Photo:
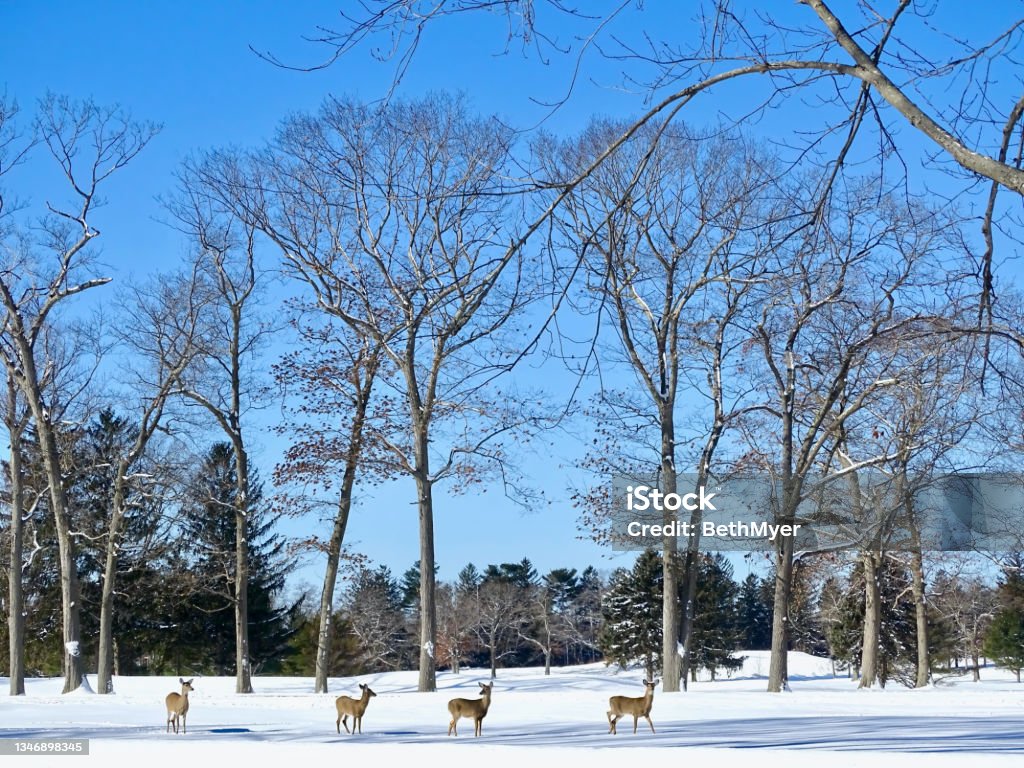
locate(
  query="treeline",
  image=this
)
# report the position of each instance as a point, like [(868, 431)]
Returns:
[(969, 619), (750, 317), (176, 607), (505, 615)]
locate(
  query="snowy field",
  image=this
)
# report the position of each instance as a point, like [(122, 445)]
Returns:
[(539, 721)]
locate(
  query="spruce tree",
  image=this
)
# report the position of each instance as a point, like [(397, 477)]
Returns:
[(715, 632), (631, 609), (1004, 641), (753, 615), (206, 623)]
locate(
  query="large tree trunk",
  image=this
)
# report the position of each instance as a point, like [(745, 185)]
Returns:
[(778, 672), (670, 621), (105, 651), (921, 616), (69, 589), (323, 641), (428, 607), (920, 598), (243, 672), (16, 600), (355, 443), (871, 562)]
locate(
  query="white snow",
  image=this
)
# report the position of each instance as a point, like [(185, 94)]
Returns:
[(541, 721), (71, 646)]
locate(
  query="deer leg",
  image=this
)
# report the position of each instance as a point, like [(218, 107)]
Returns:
[(184, 728), (451, 728), (636, 719), (650, 723), (344, 721)]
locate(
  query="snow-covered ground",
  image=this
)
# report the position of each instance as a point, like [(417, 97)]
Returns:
[(540, 721)]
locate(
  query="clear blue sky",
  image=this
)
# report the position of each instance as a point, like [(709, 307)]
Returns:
[(188, 66)]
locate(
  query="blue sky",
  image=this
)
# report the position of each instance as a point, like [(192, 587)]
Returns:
[(189, 67)]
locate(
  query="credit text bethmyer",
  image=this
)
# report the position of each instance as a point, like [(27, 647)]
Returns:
[(734, 530)]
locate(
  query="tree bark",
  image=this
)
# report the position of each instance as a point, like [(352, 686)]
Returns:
[(323, 642), (870, 562), (355, 444), (105, 651), (920, 611), (670, 624), (778, 672), (424, 489), (16, 600), (243, 672)]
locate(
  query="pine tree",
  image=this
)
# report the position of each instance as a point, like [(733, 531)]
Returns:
[(715, 632), (753, 615), (206, 625), (1004, 642), (631, 609), (897, 652)]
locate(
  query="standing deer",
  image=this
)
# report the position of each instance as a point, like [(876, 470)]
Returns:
[(472, 708), (356, 707), (177, 705), (627, 705)]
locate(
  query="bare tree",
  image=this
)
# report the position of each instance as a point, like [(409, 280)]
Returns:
[(500, 609), (396, 221), (219, 379), (667, 230), (827, 330), (88, 144), (334, 372), (161, 330), (16, 419)]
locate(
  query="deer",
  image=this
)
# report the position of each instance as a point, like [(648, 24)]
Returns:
[(356, 707), (619, 706), (471, 708), (177, 705)]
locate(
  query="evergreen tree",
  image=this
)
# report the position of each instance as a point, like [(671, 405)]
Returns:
[(897, 652), (715, 632), (1004, 642), (372, 606), (143, 549), (754, 615), (631, 609), (206, 625)]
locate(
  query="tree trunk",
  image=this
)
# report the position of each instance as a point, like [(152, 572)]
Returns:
[(69, 589), (920, 598), (494, 663), (670, 618), (16, 600), (870, 561), (105, 651), (428, 606), (243, 672), (778, 672), (547, 661), (921, 616)]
